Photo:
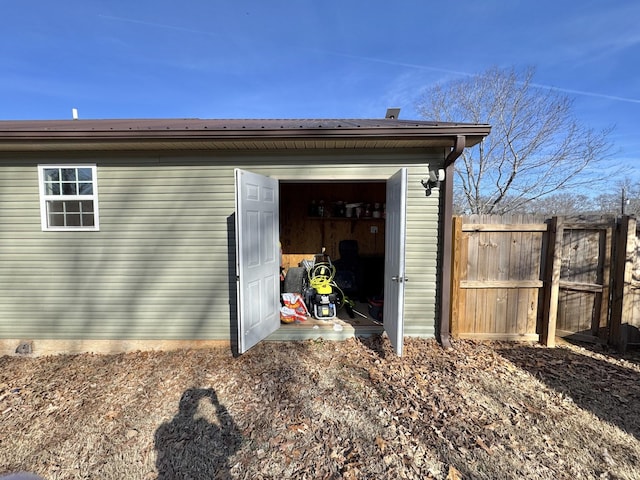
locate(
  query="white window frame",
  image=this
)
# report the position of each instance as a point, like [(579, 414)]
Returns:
[(45, 198)]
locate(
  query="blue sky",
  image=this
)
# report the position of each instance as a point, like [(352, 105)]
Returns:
[(310, 58)]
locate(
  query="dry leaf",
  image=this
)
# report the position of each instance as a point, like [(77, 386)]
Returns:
[(607, 458), (454, 474), (483, 445), (347, 410), (298, 427)]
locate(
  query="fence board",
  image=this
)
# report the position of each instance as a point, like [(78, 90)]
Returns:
[(458, 263), (515, 297), (531, 307)]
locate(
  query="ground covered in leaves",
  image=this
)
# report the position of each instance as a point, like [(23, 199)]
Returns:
[(325, 410)]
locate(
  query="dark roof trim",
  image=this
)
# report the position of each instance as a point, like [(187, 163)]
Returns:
[(14, 134)]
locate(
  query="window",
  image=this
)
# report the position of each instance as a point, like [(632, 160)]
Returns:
[(68, 197)]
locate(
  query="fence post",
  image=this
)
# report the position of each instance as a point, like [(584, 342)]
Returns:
[(553, 263), (621, 296), (456, 311)]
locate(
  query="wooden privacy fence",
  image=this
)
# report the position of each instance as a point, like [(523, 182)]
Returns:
[(497, 277), (528, 278)]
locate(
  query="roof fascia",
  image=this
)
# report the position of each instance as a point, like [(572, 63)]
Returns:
[(15, 137)]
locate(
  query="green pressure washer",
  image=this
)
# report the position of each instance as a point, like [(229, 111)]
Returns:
[(315, 280), (322, 296)]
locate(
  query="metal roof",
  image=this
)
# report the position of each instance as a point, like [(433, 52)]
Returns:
[(231, 134)]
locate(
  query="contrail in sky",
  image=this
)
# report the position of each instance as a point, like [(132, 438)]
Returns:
[(158, 25), (379, 60), (468, 74), (588, 94)]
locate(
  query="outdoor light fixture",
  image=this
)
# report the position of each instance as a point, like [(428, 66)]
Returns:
[(435, 177)]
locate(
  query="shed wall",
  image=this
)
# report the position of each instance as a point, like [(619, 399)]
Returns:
[(160, 267)]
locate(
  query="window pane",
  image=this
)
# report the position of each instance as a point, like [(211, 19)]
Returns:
[(73, 220), (54, 207), (86, 188), (84, 174), (56, 220), (87, 206), (52, 188), (87, 220), (52, 174), (72, 207), (69, 189), (69, 175)]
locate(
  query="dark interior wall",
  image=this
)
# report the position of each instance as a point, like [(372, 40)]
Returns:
[(304, 233)]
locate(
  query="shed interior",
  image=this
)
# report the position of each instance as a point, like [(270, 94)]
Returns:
[(321, 214)]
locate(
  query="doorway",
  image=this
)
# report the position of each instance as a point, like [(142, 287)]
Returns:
[(347, 220), (269, 211)]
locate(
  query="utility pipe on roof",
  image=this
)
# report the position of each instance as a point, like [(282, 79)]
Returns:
[(446, 190)]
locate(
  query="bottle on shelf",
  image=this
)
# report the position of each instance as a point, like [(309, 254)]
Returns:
[(376, 213), (321, 208)]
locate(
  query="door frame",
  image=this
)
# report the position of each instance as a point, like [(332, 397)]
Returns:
[(399, 323)]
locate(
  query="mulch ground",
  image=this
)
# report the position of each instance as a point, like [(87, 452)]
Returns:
[(325, 410)]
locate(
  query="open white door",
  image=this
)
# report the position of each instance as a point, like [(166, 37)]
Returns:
[(394, 251), (257, 257)]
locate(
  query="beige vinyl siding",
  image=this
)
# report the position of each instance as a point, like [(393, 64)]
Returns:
[(161, 266)]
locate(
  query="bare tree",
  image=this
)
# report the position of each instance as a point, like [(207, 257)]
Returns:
[(536, 146), (623, 198), (567, 203)]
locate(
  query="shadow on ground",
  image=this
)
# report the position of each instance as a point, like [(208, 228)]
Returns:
[(608, 389), (199, 440)]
